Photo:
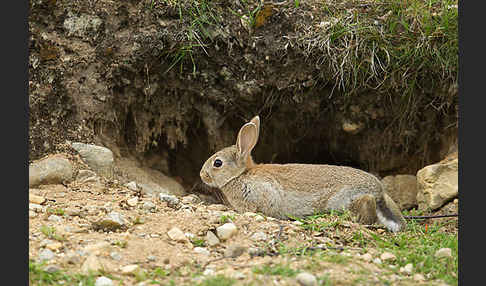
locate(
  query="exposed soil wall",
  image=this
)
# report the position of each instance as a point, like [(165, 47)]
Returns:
[(133, 76)]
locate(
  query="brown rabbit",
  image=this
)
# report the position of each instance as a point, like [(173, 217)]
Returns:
[(296, 190)]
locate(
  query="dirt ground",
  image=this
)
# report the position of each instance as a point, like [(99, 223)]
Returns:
[(72, 211)]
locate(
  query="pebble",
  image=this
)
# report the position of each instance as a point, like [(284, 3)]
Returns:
[(176, 234), (259, 236), (46, 254), (306, 279), (36, 199), (456, 201), (52, 268), (226, 231), (171, 201), (377, 261), (367, 257), (54, 218), (407, 269), (92, 263), (387, 256), (35, 207), (211, 238), (190, 199), (208, 271), (132, 186), (201, 250), (443, 252), (103, 281), (148, 205), (418, 277), (86, 176), (115, 256), (51, 170), (132, 202), (112, 221), (151, 258), (296, 222), (98, 158), (129, 269), (32, 214), (54, 246), (234, 251)]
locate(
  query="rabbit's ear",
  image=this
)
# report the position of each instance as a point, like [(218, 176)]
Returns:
[(256, 121), (247, 139)]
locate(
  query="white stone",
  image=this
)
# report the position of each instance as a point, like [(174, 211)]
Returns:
[(226, 231), (201, 250), (418, 277), (387, 256), (54, 218), (377, 261), (132, 202), (129, 269), (212, 239), (36, 199), (443, 252), (176, 234), (46, 254), (103, 281), (259, 236), (306, 279), (407, 269), (132, 186)]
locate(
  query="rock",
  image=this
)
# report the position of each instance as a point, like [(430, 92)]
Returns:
[(81, 25), (52, 268), (176, 234), (152, 258), (201, 250), (149, 206), (212, 239), (92, 263), (234, 251), (54, 246), (387, 256), (150, 181), (255, 251), (208, 272), (351, 127), (103, 281), (72, 258), (190, 199), (54, 218), (377, 261), (115, 256), (437, 184), (111, 222), (226, 231), (132, 202), (99, 159), (259, 236), (402, 189), (45, 255), (367, 257), (35, 199), (418, 277), (87, 176), (51, 170), (171, 201), (443, 252), (130, 269), (32, 214), (306, 279), (35, 207), (296, 222), (407, 269), (132, 186)]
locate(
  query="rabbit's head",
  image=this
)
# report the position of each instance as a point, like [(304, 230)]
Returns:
[(232, 161)]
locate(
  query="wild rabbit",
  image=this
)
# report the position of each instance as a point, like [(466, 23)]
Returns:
[(296, 190)]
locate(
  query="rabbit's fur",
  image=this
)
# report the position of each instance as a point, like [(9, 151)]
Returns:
[(296, 190)]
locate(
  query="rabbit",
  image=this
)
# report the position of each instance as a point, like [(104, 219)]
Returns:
[(287, 191)]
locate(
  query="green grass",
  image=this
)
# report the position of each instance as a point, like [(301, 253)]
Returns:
[(58, 211), (278, 269), (200, 242), (227, 218), (50, 232), (218, 280), (416, 245), (38, 276)]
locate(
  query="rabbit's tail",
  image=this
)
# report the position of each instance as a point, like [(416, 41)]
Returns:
[(389, 214)]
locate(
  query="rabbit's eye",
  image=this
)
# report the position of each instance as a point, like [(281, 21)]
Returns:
[(218, 163)]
